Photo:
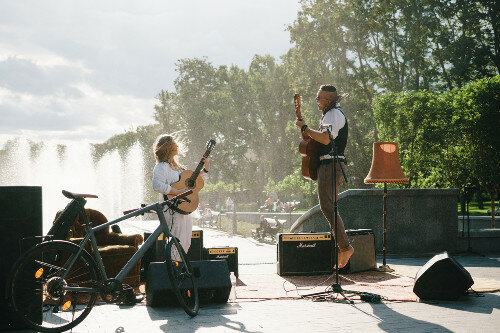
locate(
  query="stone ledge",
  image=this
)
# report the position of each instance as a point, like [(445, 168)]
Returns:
[(481, 233), (418, 220), (398, 192)]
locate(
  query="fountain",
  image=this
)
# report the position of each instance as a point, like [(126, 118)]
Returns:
[(117, 180)]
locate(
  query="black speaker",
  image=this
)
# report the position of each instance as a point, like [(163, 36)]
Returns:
[(157, 252), (195, 251), (363, 258), (212, 277), (305, 254), (442, 278), (21, 228), (147, 258), (230, 254), (61, 226)]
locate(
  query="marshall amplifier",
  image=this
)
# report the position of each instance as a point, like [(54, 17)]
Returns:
[(305, 254), (157, 253), (363, 258), (196, 249), (194, 253), (229, 254)]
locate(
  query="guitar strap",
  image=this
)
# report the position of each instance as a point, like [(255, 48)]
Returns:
[(331, 105)]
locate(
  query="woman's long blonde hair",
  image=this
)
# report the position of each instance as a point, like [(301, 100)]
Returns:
[(165, 149)]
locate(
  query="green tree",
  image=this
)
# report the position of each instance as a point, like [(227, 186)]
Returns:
[(477, 121), (409, 118)]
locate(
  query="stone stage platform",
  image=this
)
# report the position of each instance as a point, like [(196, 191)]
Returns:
[(249, 311)]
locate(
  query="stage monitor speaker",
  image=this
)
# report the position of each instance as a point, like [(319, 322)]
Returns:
[(230, 254), (305, 254), (21, 228), (442, 278), (363, 258), (212, 277)]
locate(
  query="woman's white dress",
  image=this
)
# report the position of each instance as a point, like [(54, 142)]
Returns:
[(163, 177)]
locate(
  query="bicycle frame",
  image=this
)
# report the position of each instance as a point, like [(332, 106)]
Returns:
[(162, 228)]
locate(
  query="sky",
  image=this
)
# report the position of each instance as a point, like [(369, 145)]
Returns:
[(87, 70)]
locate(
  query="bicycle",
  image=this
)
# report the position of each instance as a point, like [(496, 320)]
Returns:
[(66, 279)]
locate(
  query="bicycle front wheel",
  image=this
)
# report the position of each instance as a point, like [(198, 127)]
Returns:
[(47, 293), (182, 278)]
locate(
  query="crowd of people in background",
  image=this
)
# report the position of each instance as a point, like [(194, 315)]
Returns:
[(271, 205)]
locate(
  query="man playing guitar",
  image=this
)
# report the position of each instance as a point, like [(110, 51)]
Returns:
[(333, 125)]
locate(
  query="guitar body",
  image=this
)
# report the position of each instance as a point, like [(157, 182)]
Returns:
[(188, 207), (309, 149), (191, 180)]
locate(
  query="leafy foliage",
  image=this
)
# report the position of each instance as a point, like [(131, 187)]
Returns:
[(406, 64), (449, 139)]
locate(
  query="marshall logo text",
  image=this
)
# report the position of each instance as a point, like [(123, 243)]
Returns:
[(305, 245)]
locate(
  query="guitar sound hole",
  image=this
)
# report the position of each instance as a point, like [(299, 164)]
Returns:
[(190, 183)]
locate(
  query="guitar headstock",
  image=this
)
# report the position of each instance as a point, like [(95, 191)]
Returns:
[(296, 99), (210, 147)]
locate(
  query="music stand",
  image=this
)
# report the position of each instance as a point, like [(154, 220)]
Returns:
[(385, 169)]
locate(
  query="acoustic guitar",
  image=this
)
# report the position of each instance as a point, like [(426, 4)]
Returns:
[(308, 149), (192, 181)]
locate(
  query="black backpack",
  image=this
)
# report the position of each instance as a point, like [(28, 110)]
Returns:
[(64, 222)]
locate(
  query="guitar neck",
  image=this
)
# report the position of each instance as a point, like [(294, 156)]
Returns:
[(296, 99), (197, 171), (192, 180)]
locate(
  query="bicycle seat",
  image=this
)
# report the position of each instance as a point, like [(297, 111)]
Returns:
[(71, 195)]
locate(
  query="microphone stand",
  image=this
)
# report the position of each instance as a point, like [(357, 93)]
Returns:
[(335, 287)]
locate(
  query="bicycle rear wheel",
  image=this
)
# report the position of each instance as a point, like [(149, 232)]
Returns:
[(182, 278), (41, 298)]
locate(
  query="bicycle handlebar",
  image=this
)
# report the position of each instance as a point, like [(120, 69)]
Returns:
[(166, 202), (182, 195)]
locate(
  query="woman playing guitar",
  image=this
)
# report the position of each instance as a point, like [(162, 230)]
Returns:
[(166, 172)]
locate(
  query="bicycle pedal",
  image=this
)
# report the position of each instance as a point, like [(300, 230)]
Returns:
[(127, 297)]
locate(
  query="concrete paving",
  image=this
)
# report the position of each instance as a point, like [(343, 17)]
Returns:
[(470, 314)]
